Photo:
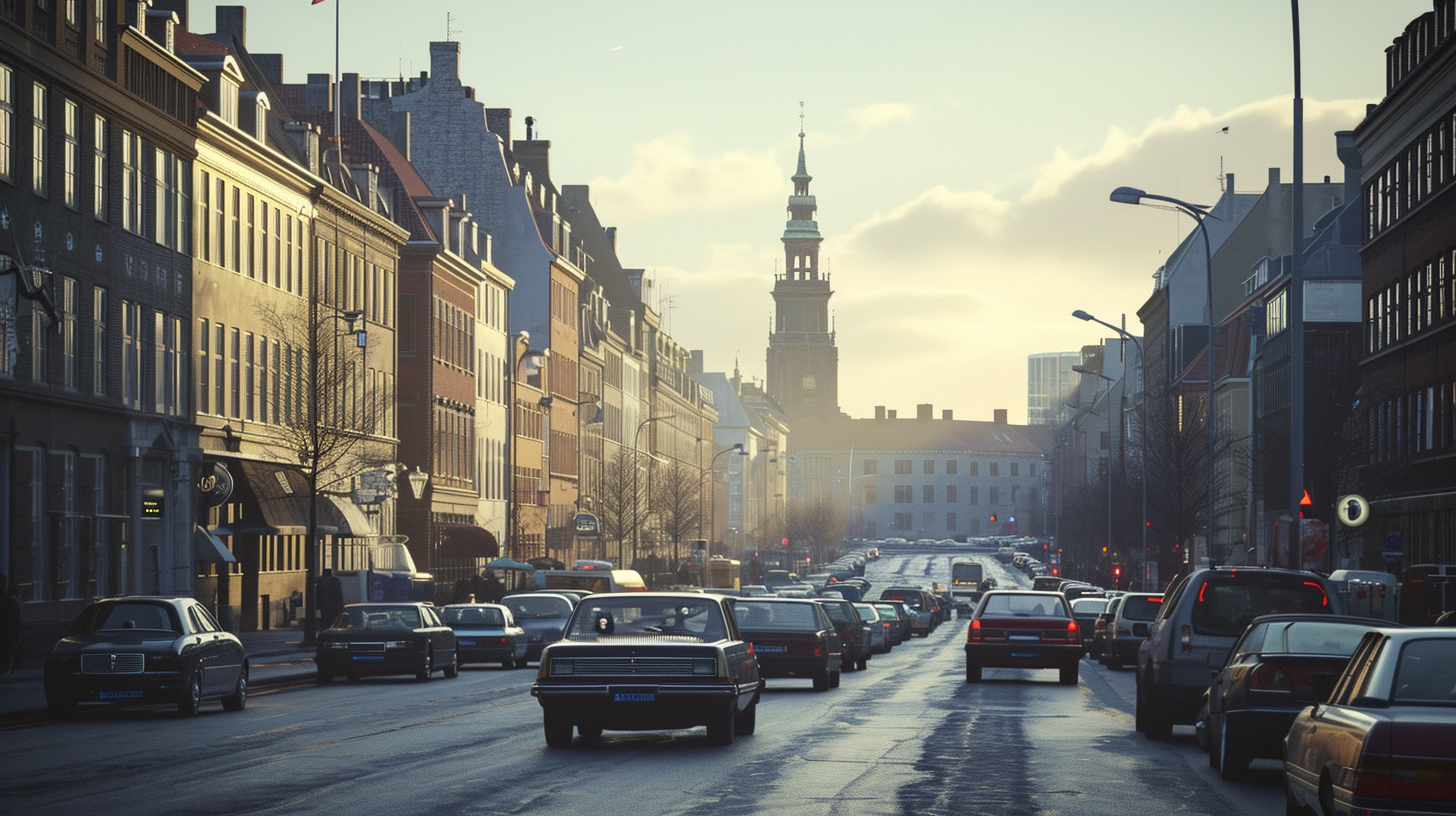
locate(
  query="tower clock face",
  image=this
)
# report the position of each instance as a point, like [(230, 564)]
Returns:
[(808, 382)]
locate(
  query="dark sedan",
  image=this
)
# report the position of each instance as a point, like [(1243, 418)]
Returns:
[(486, 633), (138, 649), (386, 638), (1385, 742), (1023, 630), (793, 638), (635, 661), (543, 615), (853, 631), (1253, 698)]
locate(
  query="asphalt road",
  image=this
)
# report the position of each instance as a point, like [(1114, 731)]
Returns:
[(907, 736)]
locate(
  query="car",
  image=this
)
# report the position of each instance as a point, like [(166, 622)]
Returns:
[(1385, 741), (1097, 645), (793, 638), (486, 633), (139, 649), (795, 590), (649, 661), (849, 592), (1086, 611), (1252, 700), (775, 578), (1128, 627), (921, 605), (755, 591), (543, 615), (879, 627), (853, 631), (1023, 629), (1075, 591), (372, 639), (1198, 622), (901, 616)]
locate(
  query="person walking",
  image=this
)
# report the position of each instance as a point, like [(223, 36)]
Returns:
[(9, 628), (330, 597)]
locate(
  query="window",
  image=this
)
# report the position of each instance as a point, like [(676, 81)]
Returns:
[(172, 183), (219, 369), (872, 467), (975, 469), (7, 116), (1016, 466), (950, 467), (250, 377), (235, 378), (995, 495), (902, 494), (950, 494), (99, 343), (927, 494), (40, 344), (131, 354), (902, 467), (204, 366), (235, 235), (950, 521), (100, 9), (67, 291), (98, 168), (131, 182), (173, 359), (38, 139), (995, 467), (1033, 469), (72, 156), (928, 467), (903, 521), (871, 494), (975, 497)]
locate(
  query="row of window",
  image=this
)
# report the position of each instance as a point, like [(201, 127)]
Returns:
[(1425, 167), (248, 234), (1414, 424), (1426, 298), (904, 494), (454, 448), (905, 467), (76, 557), (454, 336)]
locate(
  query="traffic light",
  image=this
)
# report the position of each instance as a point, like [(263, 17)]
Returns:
[(1116, 574), (993, 517), (785, 542), (1305, 504)]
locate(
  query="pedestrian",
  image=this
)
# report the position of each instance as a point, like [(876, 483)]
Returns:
[(493, 590), (9, 628), (330, 596)]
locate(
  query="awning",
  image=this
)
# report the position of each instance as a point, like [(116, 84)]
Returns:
[(344, 516), (209, 549), (274, 497), (466, 541)]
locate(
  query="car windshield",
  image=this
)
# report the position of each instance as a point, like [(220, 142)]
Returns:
[(526, 607), (776, 617), (1088, 606), (1426, 674), (676, 619), (867, 612), (473, 616), (377, 617), (1023, 605), (1225, 605), (127, 615)]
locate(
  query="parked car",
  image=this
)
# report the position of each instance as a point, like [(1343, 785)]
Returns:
[(1385, 741), (853, 631), (896, 614), (543, 615), (1199, 620), (1252, 700), (849, 592), (146, 649), (1097, 645), (755, 591), (792, 638), (919, 602), (1127, 630), (370, 639), (879, 627), (645, 661), (1023, 630), (486, 633), (1086, 612)]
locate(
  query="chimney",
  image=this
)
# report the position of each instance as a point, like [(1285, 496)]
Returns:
[(999, 416), (947, 415), (160, 27), (178, 7), (307, 138), (318, 95), (695, 363), (925, 410), (272, 67), (444, 61), (890, 414), (879, 412), (498, 121), (349, 86), (232, 22), (612, 238), (1350, 157)]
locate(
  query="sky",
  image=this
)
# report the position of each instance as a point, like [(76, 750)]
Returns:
[(962, 151)]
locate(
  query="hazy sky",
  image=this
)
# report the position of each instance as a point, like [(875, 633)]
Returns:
[(962, 152)]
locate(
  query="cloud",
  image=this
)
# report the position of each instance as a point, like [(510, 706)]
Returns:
[(668, 177), (879, 115)]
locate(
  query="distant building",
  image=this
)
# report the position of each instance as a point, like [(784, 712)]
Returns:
[(1050, 382)]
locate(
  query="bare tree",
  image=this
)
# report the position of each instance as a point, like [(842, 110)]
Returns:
[(614, 500), (817, 524), (677, 504)]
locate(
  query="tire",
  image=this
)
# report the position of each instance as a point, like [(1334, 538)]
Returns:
[(1140, 708), (821, 681), (863, 663), (1113, 664), (521, 663), (238, 700), (1233, 762), (1069, 675), (324, 678), (452, 669), (834, 680), (720, 728), (746, 721), (429, 667), (1215, 758), (589, 731), (558, 730), (1155, 725), (191, 699), (508, 663), (973, 673)]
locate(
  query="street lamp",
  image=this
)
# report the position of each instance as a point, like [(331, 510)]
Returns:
[(1132, 195), (636, 503), (738, 450), (1142, 416), (522, 352)]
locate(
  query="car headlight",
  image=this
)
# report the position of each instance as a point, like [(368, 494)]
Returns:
[(562, 666), (705, 666), (400, 644)]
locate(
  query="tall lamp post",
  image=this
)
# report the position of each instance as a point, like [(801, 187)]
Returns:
[(1132, 195), (636, 503), (521, 351), (738, 450), (1142, 416)]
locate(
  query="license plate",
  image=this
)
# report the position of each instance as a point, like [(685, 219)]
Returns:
[(1024, 637), (773, 649), (467, 641), (635, 697), (369, 658), (120, 695), (1026, 655)]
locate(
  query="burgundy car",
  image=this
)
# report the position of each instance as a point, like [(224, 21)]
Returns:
[(1023, 630), (1386, 740)]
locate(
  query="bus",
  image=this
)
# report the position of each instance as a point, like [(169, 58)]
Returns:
[(590, 580), (724, 573), (967, 580)]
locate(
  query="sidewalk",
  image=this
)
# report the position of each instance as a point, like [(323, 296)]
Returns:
[(276, 657)]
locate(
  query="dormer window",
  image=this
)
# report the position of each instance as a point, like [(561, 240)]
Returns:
[(227, 100), (253, 107)]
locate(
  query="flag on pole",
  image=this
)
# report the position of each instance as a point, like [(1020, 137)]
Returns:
[(315, 2)]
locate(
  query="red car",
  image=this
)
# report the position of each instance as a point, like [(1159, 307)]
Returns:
[(1386, 740), (1023, 630)]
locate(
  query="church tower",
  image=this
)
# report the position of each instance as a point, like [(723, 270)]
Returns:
[(803, 362)]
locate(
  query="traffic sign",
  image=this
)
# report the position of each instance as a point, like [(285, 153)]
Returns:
[(1352, 510)]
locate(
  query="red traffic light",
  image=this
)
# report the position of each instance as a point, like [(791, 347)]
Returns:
[(993, 516), (785, 542)]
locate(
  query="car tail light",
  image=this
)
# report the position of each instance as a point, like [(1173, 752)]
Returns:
[(974, 636), (1074, 634), (1271, 677), (1100, 626), (1185, 638)]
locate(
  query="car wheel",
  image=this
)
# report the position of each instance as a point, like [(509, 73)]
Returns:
[(834, 680), (60, 706), (238, 700), (558, 730), (1069, 675), (1113, 664), (452, 669), (973, 672), (1233, 762), (589, 731), (720, 729), (863, 663), (521, 663), (1214, 745), (1326, 794), (424, 672), (508, 663), (747, 719), (1140, 707), (323, 678), (191, 699), (821, 681), (1154, 724)]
